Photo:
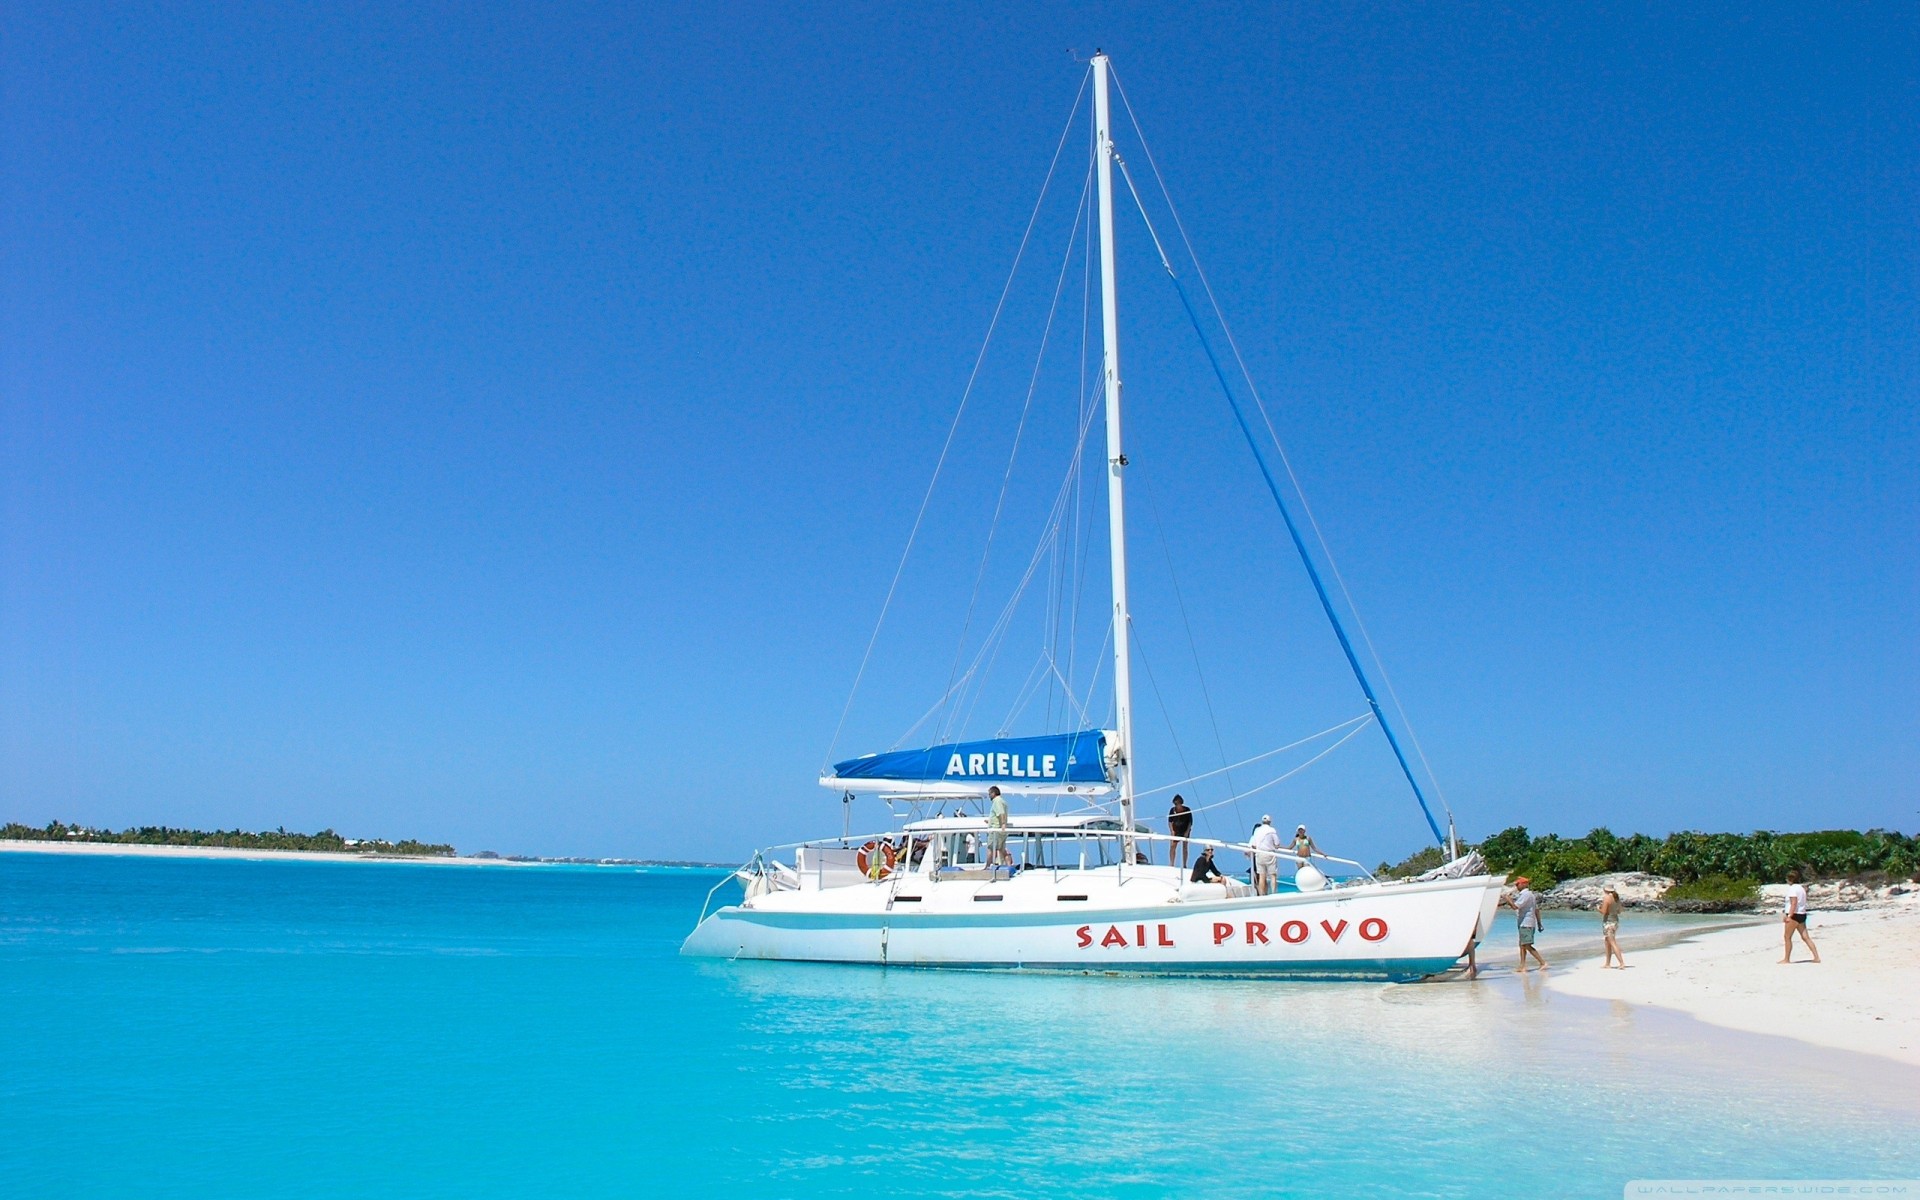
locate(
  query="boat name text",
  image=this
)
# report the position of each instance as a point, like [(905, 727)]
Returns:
[(1256, 933), (1009, 766)]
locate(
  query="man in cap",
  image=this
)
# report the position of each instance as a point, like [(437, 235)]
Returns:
[(1266, 856), (1526, 906)]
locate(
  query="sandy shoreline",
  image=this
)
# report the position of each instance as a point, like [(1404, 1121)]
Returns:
[(142, 851), (1860, 997)]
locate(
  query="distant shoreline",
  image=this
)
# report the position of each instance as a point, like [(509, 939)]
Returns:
[(150, 850)]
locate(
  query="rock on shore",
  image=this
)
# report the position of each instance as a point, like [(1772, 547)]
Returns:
[(1837, 895), (1637, 890), (1640, 890)]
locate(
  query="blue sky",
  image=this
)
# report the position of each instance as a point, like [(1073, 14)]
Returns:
[(502, 427)]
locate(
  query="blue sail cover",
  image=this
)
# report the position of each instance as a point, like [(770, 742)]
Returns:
[(1054, 762)]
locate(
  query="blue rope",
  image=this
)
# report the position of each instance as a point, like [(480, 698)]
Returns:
[(1299, 544)]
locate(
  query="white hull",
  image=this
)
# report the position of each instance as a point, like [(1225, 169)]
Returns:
[(1139, 920)]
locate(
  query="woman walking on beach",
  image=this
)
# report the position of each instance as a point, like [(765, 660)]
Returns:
[(1610, 907), (1793, 919)]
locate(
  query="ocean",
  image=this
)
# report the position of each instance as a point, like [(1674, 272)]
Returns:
[(216, 1028)]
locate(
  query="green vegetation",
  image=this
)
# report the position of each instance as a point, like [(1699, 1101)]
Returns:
[(1690, 857), (1415, 863), (1716, 889), (279, 839)]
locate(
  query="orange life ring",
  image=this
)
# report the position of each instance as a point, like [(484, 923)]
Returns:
[(875, 865)]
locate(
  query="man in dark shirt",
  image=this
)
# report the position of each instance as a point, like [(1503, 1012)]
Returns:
[(1204, 871), (1180, 825)]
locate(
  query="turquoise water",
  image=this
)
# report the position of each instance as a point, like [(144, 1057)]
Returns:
[(246, 1029)]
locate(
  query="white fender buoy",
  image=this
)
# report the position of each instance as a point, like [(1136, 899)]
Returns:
[(1308, 878)]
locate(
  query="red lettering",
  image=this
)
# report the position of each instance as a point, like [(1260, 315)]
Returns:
[(1293, 932), (1373, 929), (1164, 939), (1139, 935), (1085, 934), (1334, 931), (1221, 932), (1113, 937), (1256, 930)]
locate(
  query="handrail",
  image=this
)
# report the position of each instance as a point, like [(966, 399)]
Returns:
[(726, 879), (1079, 830)]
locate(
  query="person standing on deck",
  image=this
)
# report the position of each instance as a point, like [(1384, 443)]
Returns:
[(1793, 919), (1266, 856), (1179, 827), (1303, 844), (1526, 906), (997, 829)]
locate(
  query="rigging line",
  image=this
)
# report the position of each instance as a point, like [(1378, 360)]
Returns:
[(1075, 585), (1099, 667), (1165, 714), (1083, 540), (925, 716), (1306, 559), (1300, 546), (1351, 734), (1029, 687), (995, 640), (1073, 569), (1285, 461), (1069, 698), (966, 393), (1050, 531), (1019, 432), (1193, 647), (1312, 737), (1286, 515), (1067, 556), (1090, 394)]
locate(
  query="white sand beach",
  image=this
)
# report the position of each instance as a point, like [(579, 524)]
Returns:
[(1860, 996), (130, 849)]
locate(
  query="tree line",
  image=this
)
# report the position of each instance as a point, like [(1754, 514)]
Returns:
[(236, 839), (1689, 856)]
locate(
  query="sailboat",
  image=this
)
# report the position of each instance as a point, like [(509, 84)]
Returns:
[(1079, 890)]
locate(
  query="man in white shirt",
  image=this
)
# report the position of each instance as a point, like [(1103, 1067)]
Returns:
[(1266, 856), (1793, 919)]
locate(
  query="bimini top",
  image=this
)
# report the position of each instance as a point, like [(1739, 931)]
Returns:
[(1057, 764)]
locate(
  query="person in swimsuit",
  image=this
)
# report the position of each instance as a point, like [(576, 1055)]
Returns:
[(1793, 919), (1610, 907), (1302, 844)]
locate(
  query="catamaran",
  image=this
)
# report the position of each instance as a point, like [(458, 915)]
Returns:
[(967, 883)]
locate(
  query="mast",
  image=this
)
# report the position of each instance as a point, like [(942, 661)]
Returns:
[(1116, 460)]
